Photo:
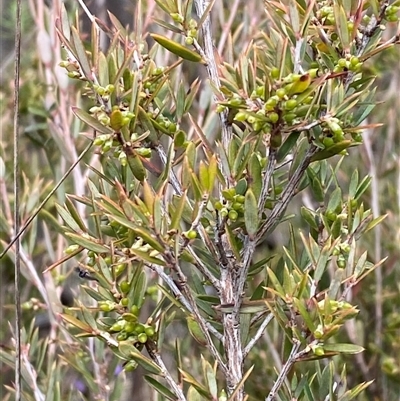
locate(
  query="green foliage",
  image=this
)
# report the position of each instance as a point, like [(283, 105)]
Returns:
[(171, 226)]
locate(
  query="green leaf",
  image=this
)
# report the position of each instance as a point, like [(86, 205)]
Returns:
[(167, 26), (335, 200), (143, 361), (343, 348), (92, 122), (195, 331), (68, 219), (310, 217), (322, 261), (81, 53), (204, 176), (341, 25), (332, 150), (251, 214), (88, 243), (176, 216), (89, 318), (212, 173), (74, 213), (180, 101), (193, 394), (255, 175), (364, 185), (353, 184), (138, 290), (147, 258), (75, 322), (288, 145), (375, 222), (177, 48), (210, 378), (308, 320), (160, 388), (187, 377)]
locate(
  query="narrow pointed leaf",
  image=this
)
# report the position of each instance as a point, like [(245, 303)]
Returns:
[(88, 243), (177, 48), (251, 214), (91, 121)]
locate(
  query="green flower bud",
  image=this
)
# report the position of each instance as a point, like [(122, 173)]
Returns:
[(240, 116), (189, 40), (190, 234), (275, 73), (135, 310), (149, 331), (177, 17), (122, 336), (118, 326), (290, 104), (71, 249), (274, 117), (142, 337), (139, 328), (233, 215), (281, 93)]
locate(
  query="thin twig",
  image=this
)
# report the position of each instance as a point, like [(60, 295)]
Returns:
[(285, 370), (269, 171), (204, 326), (18, 323), (156, 357), (258, 335), (377, 240), (287, 195), (176, 185), (45, 200), (227, 28), (176, 291)]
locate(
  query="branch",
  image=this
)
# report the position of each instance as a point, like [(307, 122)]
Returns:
[(281, 205), (156, 357), (176, 185), (212, 69), (17, 217), (206, 327), (258, 335), (285, 370), (45, 200)]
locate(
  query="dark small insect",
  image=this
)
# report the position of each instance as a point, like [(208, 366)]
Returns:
[(85, 274)]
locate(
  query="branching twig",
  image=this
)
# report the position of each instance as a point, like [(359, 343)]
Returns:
[(205, 328), (177, 292), (176, 185), (287, 195)]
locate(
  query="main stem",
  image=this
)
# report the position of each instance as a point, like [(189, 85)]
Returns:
[(229, 271)]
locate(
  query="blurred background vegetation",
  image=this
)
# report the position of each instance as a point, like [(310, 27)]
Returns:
[(48, 149)]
